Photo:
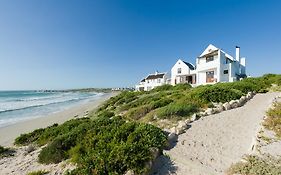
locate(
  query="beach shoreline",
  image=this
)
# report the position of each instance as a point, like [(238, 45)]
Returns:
[(10, 132)]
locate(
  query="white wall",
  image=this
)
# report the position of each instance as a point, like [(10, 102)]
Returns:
[(174, 71)]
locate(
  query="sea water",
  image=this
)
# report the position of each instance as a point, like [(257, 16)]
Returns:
[(17, 106)]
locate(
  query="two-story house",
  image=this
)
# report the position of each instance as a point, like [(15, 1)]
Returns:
[(213, 65)]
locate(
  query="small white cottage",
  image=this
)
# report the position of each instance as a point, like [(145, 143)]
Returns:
[(152, 81)]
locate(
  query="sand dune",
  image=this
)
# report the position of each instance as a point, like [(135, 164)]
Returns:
[(213, 143)]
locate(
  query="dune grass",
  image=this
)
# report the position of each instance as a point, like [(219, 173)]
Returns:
[(6, 152), (273, 120), (40, 172), (180, 101), (255, 165)]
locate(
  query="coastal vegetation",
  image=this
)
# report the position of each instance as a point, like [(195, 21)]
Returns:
[(181, 101), (256, 165), (273, 120), (117, 137), (105, 145), (40, 172), (5, 152)]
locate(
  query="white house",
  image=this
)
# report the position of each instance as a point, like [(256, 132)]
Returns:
[(213, 65), (183, 72), (152, 81)]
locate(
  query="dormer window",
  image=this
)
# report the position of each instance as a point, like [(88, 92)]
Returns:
[(209, 58), (179, 70)]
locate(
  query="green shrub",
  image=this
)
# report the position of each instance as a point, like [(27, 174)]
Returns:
[(6, 152), (40, 172), (102, 145), (2, 149), (177, 110), (25, 139), (106, 114), (182, 86), (160, 103), (55, 152), (139, 112), (255, 165), (273, 120), (165, 87), (216, 94)]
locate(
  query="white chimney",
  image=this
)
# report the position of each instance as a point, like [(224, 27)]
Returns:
[(238, 54)]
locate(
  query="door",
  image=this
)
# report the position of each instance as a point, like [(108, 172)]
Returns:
[(210, 76)]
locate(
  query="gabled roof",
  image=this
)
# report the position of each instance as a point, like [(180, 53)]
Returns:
[(155, 76), (191, 66), (212, 49)]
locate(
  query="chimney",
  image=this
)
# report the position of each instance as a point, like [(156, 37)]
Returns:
[(156, 72), (238, 54)]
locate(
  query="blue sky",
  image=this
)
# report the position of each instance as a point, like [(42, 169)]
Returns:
[(108, 43)]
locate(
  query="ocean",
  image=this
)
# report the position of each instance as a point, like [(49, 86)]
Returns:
[(17, 106)]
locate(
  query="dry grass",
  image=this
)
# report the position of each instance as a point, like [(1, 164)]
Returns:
[(255, 165), (273, 120)]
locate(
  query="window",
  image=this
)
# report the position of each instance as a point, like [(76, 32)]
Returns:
[(210, 58), (179, 70), (226, 61), (225, 71), (158, 80)]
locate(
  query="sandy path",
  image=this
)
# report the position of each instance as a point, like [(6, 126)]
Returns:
[(9, 133), (213, 143)]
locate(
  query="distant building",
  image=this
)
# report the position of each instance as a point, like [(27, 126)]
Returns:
[(213, 65), (152, 81)]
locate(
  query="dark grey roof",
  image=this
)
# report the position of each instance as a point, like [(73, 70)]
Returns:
[(189, 65), (143, 80), (155, 76)]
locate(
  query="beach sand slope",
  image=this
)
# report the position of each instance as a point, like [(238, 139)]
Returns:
[(213, 143)]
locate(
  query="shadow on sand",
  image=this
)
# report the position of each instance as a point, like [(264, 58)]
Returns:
[(163, 165)]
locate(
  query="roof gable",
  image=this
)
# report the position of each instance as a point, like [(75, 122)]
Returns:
[(189, 65), (155, 76), (209, 49)]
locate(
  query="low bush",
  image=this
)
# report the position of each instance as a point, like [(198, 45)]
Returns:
[(273, 120), (182, 86), (6, 152), (255, 165), (165, 87), (176, 110), (139, 112), (102, 145), (215, 94), (138, 105), (2, 149), (40, 172)]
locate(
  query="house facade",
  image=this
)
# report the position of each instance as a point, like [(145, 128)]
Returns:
[(152, 81), (183, 72), (212, 66)]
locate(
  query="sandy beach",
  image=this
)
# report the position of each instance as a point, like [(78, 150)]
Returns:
[(9, 133)]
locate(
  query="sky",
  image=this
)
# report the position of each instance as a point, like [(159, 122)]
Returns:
[(62, 44)]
